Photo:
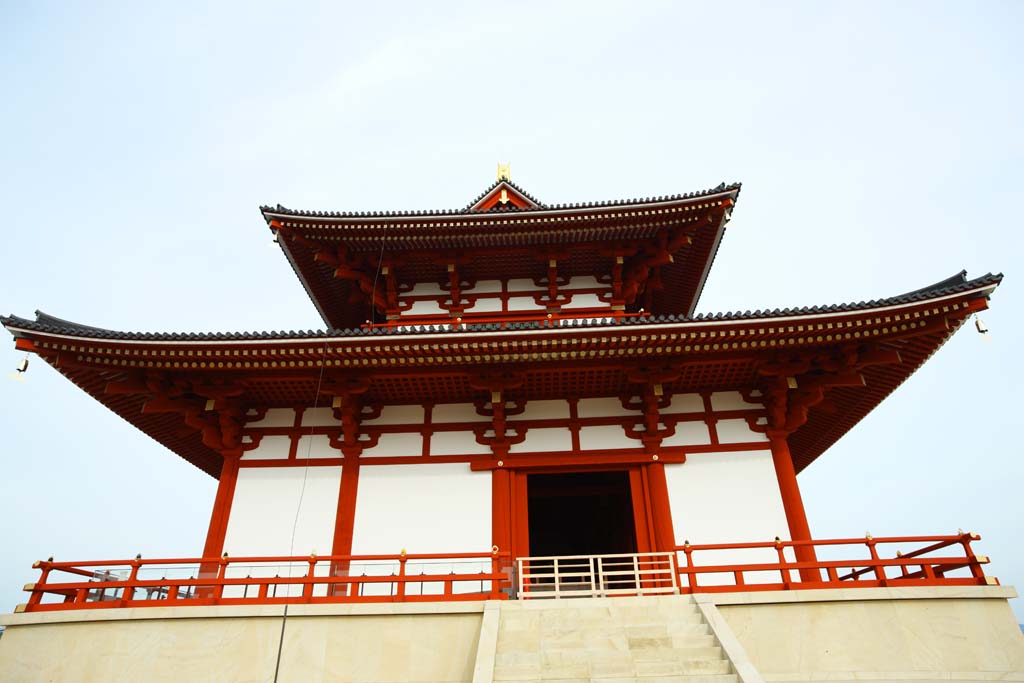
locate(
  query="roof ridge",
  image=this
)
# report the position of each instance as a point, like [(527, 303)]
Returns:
[(280, 209)]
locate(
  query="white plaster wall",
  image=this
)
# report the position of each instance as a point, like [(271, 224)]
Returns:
[(319, 417), (544, 410), (402, 443), (270, 448), (525, 285), (425, 308), (456, 412), (398, 415), (485, 287), (316, 446), (426, 289), (432, 508), (543, 440), (609, 436), (737, 431), (583, 282), (523, 303), (603, 407), (276, 417), (731, 400), (456, 443), (586, 301), (488, 305), (264, 510), (685, 403), (727, 498), (689, 434)]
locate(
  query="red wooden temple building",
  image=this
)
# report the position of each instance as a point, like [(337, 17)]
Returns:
[(510, 400)]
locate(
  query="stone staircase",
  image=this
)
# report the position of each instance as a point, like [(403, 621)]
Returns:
[(661, 639)]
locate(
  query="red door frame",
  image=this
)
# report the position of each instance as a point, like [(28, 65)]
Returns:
[(652, 516)]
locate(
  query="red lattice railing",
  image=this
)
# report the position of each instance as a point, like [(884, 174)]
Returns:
[(782, 570), (269, 580), (730, 567)]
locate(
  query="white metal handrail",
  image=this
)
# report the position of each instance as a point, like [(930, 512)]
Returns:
[(581, 576)]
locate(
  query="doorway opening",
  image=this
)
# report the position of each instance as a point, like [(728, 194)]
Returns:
[(580, 513)]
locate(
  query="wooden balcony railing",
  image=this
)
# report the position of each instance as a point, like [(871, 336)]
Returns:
[(711, 568), (269, 580), (706, 568)]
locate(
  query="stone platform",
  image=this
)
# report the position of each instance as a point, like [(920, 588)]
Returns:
[(877, 634)]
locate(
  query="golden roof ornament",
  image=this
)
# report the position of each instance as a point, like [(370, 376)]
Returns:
[(504, 172)]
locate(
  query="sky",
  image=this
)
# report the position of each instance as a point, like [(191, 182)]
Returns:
[(879, 146)]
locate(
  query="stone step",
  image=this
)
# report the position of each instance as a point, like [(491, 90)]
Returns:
[(668, 667), (667, 651), (610, 640), (593, 629), (712, 678)]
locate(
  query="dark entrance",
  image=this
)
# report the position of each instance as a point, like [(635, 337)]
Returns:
[(580, 513)]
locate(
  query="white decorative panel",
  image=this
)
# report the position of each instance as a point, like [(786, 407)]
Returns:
[(404, 443), (276, 417), (603, 407), (610, 436), (320, 417), (430, 508), (426, 289), (265, 505), (456, 443), (727, 498), (585, 301), (544, 410), (689, 434), (685, 403), (398, 415), (737, 431), (543, 440), (523, 303), (428, 307), (270, 448), (456, 412), (730, 400), (485, 287), (316, 446), (583, 282), (525, 286), (486, 306)]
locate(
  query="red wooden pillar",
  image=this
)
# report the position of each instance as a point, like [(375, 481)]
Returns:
[(664, 535), (793, 504), (344, 521), (222, 506), (501, 510)]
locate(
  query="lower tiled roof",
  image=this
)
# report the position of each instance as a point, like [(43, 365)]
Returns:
[(53, 325)]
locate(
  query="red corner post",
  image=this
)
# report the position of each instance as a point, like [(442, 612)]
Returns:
[(793, 504), (222, 507)]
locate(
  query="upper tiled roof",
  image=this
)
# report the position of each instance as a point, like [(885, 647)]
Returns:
[(283, 211), (52, 325), (505, 207)]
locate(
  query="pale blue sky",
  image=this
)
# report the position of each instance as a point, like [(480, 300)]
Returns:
[(879, 145)]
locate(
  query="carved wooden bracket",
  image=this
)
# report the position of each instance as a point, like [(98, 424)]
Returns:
[(796, 382), (211, 408)]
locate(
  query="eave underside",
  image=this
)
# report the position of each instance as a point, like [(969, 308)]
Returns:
[(512, 246), (711, 356)]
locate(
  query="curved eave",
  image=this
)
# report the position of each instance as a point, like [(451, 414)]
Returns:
[(271, 212), (492, 233), (915, 325)]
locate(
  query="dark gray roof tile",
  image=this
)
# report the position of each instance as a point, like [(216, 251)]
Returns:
[(53, 325)]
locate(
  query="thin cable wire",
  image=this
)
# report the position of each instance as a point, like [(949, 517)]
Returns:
[(380, 262), (298, 507), (305, 470)]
